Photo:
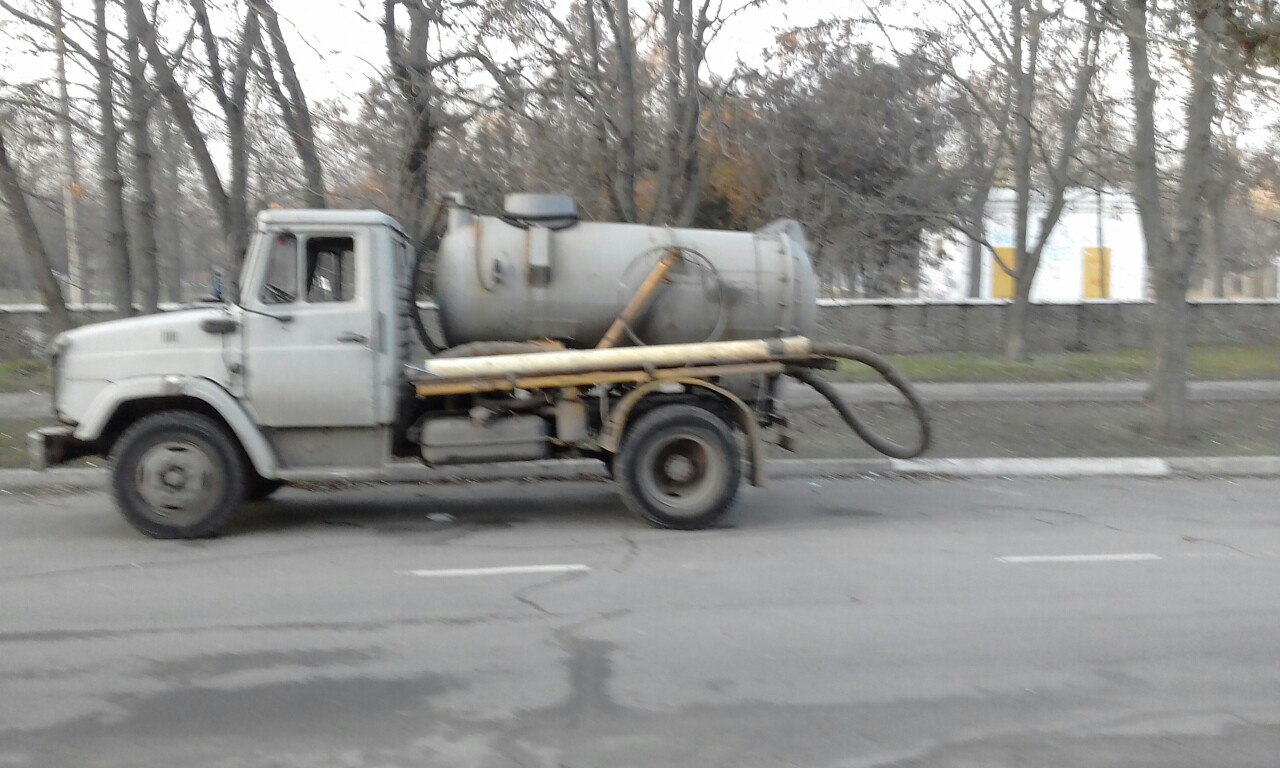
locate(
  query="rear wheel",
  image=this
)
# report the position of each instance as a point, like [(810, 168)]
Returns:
[(178, 475), (679, 467)]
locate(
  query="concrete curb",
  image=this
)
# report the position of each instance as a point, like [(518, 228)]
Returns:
[(25, 480), (17, 480)]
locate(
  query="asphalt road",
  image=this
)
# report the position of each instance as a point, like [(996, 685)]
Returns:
[(832, 623)]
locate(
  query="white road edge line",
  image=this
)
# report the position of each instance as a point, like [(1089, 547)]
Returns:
[(1116, 558), (502, 570)]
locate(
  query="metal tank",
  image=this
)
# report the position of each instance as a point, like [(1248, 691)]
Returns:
[(537, 272)]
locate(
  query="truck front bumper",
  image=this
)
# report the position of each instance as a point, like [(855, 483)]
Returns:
[(49, 446)]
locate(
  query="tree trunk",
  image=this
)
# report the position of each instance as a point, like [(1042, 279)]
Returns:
[(688, 193), (1217, 265), (1022, 65), (628, 110), (606, 161), (115, 236), (660, 211), (238, 196), (145, 251), (1171, 326), (1169, 369), (413, 76), (1015, 331), (977, 223), (174, 262), (71, 184), (14, 199)]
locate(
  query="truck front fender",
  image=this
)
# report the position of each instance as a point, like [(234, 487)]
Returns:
[(144, 388)]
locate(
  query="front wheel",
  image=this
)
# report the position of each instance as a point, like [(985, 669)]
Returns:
[(177, 475), (679, 467)]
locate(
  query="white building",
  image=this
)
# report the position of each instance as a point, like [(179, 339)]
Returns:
[(1096, 251)]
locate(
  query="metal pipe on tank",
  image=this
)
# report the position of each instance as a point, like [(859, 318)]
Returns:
[(640, 302), (583, 360)]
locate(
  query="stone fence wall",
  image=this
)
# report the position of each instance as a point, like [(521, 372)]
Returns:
[(909, 326)]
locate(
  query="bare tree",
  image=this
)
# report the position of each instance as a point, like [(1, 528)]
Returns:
[(15, 201), (1014, 121), (648, 117), (438, 91), (982, 158), (295, 111), (228, 81), (1024, 62), (415, 72), (849, 142), (170, 227)]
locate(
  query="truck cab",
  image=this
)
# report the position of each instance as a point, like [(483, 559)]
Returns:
[(322, 335), (299, 374)]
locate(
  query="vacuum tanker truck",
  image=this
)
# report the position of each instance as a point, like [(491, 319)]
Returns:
[(655, 350)]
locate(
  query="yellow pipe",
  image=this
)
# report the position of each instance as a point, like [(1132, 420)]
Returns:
[(640, 301), (589, 360), (572, 381)]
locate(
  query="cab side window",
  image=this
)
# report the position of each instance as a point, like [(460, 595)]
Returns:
[(280, 281), (330, 269)]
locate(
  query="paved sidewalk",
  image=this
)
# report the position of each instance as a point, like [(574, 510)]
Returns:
[(35, 405)]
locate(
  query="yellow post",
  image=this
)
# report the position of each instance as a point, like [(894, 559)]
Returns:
[(1097, 273), (1003, 284)]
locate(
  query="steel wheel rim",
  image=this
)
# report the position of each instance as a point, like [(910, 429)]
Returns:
[(176, 479), (681, 472)]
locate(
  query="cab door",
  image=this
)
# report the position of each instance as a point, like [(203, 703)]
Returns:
[(311, 346)]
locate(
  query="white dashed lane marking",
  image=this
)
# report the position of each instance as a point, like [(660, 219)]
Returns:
[(1121, 557), (502, 570)]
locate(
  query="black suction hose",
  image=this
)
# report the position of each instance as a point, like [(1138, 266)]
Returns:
[(891, 377)]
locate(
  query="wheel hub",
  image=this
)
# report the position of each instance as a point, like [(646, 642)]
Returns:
[(679, 468), (174, 478)]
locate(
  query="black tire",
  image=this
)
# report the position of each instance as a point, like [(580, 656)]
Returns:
[(679, 467), (260, 488), (178, 475)]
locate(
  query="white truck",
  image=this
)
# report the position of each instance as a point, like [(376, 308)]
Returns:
[(307, 372)]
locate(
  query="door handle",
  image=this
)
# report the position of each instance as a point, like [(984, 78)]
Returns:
[(351, 337)]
